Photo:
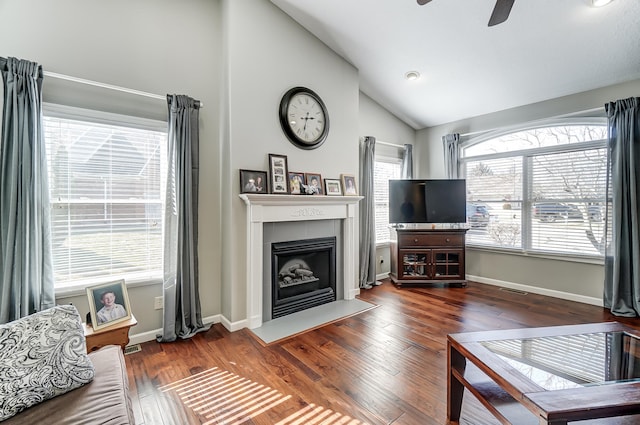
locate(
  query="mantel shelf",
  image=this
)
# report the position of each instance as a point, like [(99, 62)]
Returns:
[(296, 200)]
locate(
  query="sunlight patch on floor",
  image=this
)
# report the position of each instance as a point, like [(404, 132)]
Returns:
[(313, 414), (220, 396)]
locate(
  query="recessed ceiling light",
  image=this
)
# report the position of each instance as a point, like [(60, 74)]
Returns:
[(412, 75), (600, 3)]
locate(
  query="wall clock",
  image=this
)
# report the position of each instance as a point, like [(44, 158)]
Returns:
[(304, 118)]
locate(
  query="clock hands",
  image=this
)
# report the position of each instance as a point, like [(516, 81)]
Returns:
[(306, 118)]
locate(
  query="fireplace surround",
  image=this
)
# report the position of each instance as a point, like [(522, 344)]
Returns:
[(262, 209)]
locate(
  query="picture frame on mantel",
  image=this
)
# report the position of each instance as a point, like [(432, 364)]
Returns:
[(296, 180), (349, 186), (332, 187), (279, 174), (252, 181), (314, 183)]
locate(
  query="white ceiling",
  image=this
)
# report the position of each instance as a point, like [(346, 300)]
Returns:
[(546, 49)]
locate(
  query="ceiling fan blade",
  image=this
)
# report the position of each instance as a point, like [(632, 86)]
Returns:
[(500, 12), (423, 2)]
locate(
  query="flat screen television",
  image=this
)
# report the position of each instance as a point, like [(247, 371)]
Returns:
[(427, 201)]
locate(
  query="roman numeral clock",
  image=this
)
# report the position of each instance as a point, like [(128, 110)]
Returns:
[(304, 118)]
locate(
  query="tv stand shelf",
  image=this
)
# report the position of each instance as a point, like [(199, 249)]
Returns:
[(427, 257)]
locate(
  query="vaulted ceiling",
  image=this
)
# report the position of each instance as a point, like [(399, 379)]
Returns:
[(546, 49)]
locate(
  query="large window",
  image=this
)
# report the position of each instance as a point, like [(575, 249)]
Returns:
[(105, 178), (385, 169), (539, 190)]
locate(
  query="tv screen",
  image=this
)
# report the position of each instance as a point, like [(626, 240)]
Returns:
[(427, 201)]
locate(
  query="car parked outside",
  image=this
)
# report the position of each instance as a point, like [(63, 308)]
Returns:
[(551, 211), (477, 215)]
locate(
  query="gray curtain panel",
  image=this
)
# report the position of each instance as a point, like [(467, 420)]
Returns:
[(407, 162), (182, 315), (367, 214), (450, 143), (27, 281), (622, 259)]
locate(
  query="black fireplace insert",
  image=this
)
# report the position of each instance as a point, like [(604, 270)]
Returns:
[(303, 274)]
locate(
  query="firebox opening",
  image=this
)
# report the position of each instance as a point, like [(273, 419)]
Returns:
[(303, 274)]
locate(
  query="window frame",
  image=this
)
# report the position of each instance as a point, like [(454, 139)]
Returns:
[(527, 201), (59, 111), (391, 160)]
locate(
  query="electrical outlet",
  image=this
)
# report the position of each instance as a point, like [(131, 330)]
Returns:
[(158, 303)]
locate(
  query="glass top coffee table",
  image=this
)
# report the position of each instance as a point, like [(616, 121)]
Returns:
[(550, 375)]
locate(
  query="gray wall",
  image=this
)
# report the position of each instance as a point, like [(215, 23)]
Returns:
[(568, 279), (235, 56), (259, 41), (157, 46), (376, 121)]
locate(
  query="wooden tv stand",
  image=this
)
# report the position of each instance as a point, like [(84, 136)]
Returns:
[(427, 257)]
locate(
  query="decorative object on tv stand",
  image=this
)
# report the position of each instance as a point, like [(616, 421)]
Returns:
[(332, 187), (279, 173), (313, 184), (304, 118), (296, 183), (349, 184), (108, 303), (252, 181)]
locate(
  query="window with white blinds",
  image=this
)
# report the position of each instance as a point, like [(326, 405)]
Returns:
[(539, 190), (385, 169), (106, 200)]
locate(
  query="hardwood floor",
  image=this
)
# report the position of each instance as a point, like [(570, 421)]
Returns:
[(384, 366)]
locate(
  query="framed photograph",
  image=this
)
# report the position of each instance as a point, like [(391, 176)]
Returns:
[(108, 304), (279, 173), (332, 187), (349, 184), (252, 181), (296, 180), (314, 183)]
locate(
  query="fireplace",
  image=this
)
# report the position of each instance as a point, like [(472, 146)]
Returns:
[(264, 211), (303, 274)]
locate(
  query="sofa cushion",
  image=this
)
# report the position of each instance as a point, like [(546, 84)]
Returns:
[(41, 356)]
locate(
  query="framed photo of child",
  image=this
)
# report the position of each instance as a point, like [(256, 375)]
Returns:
[(108, 304)]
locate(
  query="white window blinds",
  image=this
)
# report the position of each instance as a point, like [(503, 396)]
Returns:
[(106, 200), (384, 170), (539, 190)]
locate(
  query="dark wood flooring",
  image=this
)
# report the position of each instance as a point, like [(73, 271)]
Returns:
[(384, 366)]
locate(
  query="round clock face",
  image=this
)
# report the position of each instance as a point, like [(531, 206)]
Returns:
[(304, 118)]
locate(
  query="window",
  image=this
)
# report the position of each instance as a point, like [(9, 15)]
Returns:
[(539, 190), (385, 169), (105, 183)]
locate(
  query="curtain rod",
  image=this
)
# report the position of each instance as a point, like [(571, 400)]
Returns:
[(586, 111), (390, 144), (107, 86)]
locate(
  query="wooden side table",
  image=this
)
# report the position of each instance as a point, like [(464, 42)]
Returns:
[(117, 334)]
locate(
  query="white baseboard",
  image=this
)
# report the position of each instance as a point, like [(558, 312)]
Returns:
[(381, 276), (234, 326), (540, 291), (139, 338)]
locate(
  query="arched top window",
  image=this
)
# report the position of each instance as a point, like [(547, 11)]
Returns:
[(534, 138), (540, 189)]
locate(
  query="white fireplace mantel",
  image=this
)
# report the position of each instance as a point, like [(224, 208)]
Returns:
[(278, 208)]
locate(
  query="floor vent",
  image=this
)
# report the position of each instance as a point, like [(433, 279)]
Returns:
[(130, 349), (515, 291)]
